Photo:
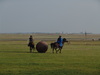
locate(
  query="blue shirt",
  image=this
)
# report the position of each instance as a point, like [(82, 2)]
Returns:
[(60, 40)]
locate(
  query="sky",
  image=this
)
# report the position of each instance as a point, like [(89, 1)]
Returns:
[(50, 16)]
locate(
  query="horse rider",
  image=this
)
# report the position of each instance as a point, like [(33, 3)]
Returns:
[(59, 41), (30, 40)]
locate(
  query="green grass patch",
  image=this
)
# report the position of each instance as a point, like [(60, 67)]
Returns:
[(77, 58)]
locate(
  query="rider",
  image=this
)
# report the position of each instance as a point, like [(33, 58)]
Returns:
[(59, 41), (30, 40)]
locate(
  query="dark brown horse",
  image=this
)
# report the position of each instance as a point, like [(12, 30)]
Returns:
[(55, 46), (32, 46)]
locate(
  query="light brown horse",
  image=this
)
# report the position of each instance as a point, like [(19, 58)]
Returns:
[(55, 46)]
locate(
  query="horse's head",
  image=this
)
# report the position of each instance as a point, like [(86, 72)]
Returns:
[(65, 40)]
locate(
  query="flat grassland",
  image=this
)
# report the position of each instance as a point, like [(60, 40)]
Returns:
[(80, 57)]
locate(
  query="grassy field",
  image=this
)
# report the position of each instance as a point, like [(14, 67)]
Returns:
[(78, 58)]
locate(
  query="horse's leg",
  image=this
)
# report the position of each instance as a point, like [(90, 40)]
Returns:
[(60, 49), (30, 49), (56, 50), (53, 50), (33, 48)]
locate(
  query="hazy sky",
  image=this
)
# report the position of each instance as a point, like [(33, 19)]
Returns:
[(68, 16)]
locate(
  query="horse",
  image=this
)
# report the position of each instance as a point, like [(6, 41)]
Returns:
[(32, 46), (55, 46)]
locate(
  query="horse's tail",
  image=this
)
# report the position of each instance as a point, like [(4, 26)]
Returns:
[(51, 45)]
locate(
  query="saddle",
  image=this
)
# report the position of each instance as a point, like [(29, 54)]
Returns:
[(31, 44)]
